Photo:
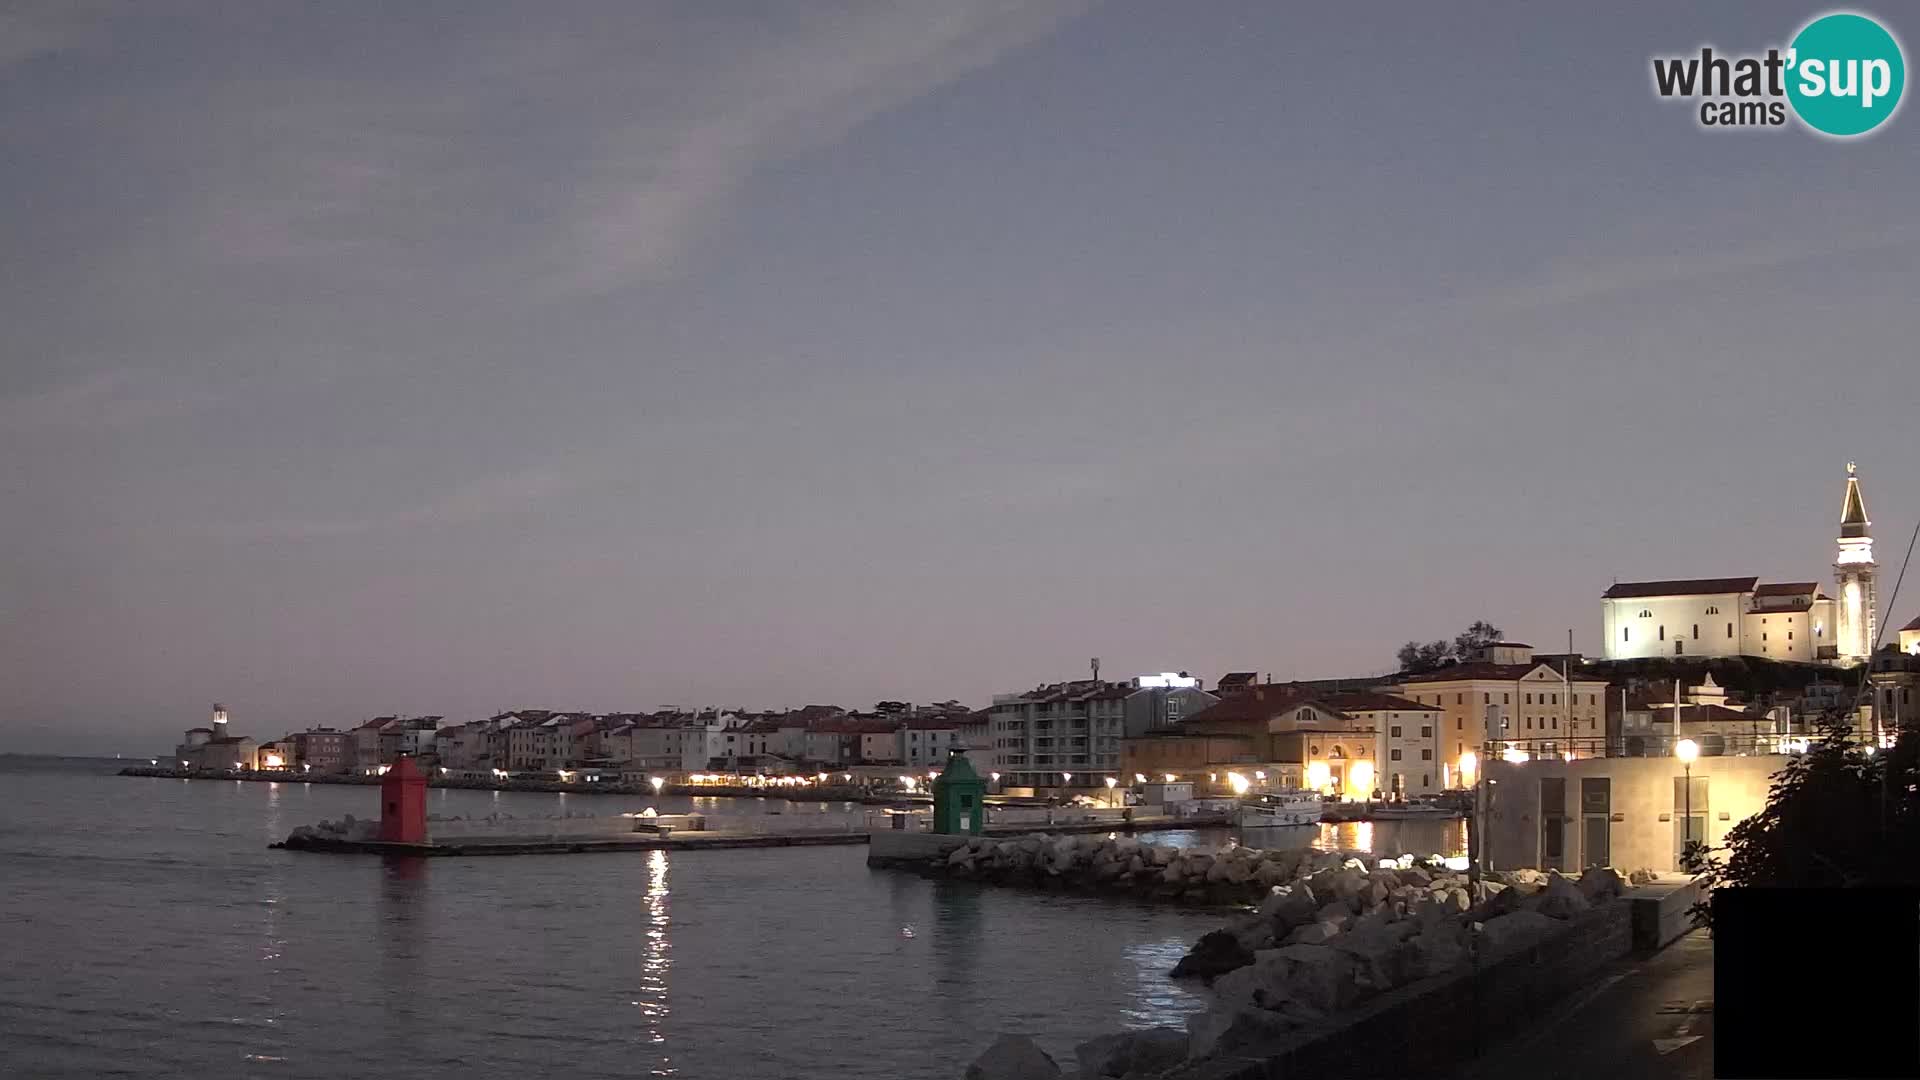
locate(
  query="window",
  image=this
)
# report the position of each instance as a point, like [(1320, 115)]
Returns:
[(1459, 699), (1625, 632), (1679, 648), (1394, 731), (1696, 631), (1713, 611), (1729, 629), (1426, 755), (1789, 635), (1763, 633), (1556, 699), (1556, 723), (1426, 731), (1529, 723), (1529, 699), (1394, 754), (1646, 614), (1506, 699), (1486, 698), (1663, 633), (1426, 779)]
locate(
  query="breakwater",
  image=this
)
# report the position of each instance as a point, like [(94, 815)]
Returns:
[(1352, 968)]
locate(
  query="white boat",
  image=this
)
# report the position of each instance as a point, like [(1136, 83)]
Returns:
[(1412, 812), (1276, 809)]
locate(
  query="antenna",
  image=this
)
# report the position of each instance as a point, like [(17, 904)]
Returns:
[(1096, 669)]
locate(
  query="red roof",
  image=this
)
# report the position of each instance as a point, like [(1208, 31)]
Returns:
[(943, 722), (1370, 701), (1489, 671), (1788, 588), (1680, 587)]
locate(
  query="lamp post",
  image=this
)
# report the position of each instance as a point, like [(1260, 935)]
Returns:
[(1686, 750), (1111, 797)]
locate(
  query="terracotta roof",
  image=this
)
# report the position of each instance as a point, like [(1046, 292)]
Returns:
[(1372, 701), (1680, 587), (1914, 625), (1255, 703), (941, 722), (1787, 588), (847, 725)]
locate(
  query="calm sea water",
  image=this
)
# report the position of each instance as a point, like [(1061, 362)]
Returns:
[(147, 930)]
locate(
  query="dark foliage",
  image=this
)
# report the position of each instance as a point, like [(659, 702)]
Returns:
[(1838, 816)]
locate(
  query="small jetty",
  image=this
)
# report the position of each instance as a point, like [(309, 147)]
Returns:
[(683, 840)]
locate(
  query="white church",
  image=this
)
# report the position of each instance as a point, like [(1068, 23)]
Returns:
[(1740, 616)]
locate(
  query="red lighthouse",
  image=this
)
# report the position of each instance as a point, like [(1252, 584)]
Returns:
[(403, 804)]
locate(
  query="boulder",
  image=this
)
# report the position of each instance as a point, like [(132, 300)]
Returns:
[(1131, 1053), (1319, 977), (1455, 900), (1260, 985), (1526, 875), (1437, 948), (1643, 876), (1240, 1032), (1379, 963), (1516, 929), (1562, 899), (1271, 873), (1313, 933), (961, 854), (1291, 906), (1013, 1057), (1601, 884), (1215, 954), (1163, 855), (1136, 865), (1414, 875), (1376, 894)]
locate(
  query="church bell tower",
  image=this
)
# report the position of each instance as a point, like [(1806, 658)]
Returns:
[(1853, 570)]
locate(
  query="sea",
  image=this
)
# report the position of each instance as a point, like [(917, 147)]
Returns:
[(146, 929)]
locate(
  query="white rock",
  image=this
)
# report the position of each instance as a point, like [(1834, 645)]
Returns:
[(1600, 884), (1013, 1057), (1562, 899), (1516, 929)]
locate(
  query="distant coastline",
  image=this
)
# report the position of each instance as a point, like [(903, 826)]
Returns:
[(811, 794)]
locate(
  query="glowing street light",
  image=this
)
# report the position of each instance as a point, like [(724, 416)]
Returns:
[(1238, 783), (658, 782), (1170, 778), (1686, 750), (1139, 778), (1469, 768), (1066, 778), (1111, 783), (994, 776), (1360, 780), (1513, 755)]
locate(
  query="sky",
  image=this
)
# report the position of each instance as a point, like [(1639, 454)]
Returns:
[(458, 357)]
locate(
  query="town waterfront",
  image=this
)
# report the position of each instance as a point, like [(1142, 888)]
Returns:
[(149, 931)]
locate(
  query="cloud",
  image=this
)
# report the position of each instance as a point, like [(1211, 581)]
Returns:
[(649, 192), (487, 496), (30, 30), (569, 163), (101, 400)]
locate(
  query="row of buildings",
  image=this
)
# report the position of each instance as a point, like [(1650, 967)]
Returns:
[(1398, 736)]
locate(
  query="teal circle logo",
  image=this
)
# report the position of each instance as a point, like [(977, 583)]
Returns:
[(1845, 74)]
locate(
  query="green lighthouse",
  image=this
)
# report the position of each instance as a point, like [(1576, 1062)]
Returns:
[(959, 798)]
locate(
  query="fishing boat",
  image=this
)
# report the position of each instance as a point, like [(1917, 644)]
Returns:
[(1271, 809)]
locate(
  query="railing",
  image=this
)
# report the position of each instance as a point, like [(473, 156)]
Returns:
[(1706, 744)]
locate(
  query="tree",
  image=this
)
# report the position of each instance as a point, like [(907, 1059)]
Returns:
[(1417, 657), (1836, 816), (891, 708), (1476, 637)]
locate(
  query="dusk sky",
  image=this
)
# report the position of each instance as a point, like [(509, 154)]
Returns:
[(454, 357)]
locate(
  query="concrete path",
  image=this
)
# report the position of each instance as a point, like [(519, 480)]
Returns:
[(1649, 1017)]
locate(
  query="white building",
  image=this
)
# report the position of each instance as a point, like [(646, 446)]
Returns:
[(1739, 616)]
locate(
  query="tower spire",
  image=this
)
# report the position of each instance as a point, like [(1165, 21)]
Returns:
[(1853, 513), (1853, 568)]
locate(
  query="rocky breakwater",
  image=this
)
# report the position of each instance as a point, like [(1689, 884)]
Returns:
[(1318, 949), (1233, 876)]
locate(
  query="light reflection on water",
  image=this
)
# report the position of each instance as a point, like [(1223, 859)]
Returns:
[(149, 932)]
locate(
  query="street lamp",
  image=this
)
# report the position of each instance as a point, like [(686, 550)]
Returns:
[(1110, 795), (1686, 750), (1066, 778), (658, 782)]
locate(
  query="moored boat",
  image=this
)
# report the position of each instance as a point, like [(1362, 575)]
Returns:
[(1270, 809)]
